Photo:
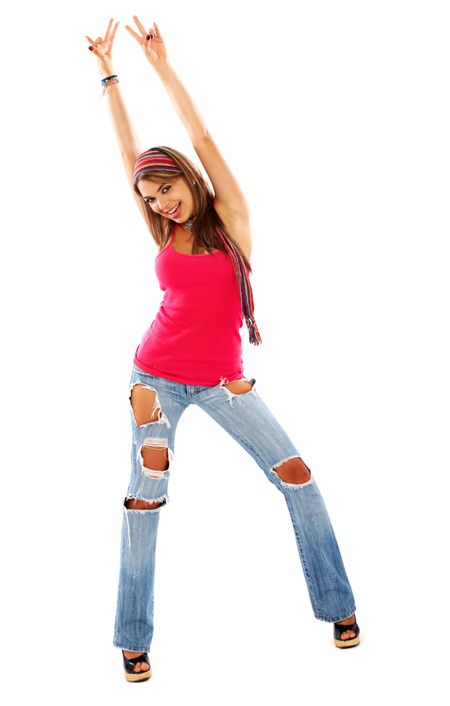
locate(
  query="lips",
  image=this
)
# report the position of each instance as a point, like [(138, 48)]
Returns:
[(174, 214)]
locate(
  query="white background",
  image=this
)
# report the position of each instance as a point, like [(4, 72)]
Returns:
[(334, 117)]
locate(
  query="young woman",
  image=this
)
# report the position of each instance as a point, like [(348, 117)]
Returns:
[(191, 354)]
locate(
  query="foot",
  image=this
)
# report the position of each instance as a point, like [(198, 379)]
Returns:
[(139, 666), (348, 634)]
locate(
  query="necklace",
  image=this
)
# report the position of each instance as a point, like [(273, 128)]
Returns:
[(188, 225)]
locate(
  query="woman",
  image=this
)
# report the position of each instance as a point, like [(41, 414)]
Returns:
[(191, 354)]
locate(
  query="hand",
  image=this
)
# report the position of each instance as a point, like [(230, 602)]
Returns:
[(154, 48), (102, 48)]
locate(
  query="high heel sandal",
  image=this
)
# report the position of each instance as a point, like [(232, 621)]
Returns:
[(131, 662), (340, 629)]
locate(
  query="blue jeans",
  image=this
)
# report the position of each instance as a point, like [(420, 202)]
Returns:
[(248, 420)]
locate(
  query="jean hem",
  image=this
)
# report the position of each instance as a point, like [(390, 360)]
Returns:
[(131, 649), (343, 616)]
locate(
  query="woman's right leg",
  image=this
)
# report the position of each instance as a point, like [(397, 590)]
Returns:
[(156, 405)]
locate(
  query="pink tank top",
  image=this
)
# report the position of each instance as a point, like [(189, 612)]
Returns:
[(194, 338)]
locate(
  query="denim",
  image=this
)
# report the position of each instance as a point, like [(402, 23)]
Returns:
[(249, 421)]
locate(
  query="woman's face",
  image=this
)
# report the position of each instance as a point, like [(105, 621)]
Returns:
[(164, 197)]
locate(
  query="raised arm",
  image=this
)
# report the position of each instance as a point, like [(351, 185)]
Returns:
[(227, 191), (126, 136), (229, 202)]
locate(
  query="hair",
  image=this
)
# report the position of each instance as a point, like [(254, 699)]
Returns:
[(206, 217), (165, 164)]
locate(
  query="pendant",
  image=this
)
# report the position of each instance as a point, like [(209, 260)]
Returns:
[(188, 225)]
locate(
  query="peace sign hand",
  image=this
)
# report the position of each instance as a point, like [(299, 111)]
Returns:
[(154, 48), (102, 48)]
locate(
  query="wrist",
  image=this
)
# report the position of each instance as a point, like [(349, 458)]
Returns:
[(105, 68), (162, 67)]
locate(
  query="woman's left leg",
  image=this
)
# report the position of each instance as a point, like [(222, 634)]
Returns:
[(244, 415)]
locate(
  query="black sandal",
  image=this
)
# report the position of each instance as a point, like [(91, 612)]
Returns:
[(130, 664), (340, 629)]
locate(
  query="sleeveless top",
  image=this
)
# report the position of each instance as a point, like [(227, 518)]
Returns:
[(194, 337)]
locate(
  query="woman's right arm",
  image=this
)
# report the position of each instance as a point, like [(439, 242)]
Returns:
[(126, 137), (124, 131)]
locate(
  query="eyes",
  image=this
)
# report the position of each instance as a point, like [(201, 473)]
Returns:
[(149, 199)]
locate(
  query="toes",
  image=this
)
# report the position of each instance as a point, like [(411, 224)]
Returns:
[(141, 667)]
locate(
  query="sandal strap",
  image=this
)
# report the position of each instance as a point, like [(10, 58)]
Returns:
[(340, 629), (131, 662)]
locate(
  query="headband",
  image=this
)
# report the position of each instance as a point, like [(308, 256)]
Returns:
[(154, 159)]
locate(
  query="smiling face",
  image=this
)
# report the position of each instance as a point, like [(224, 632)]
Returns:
[(163, 197)]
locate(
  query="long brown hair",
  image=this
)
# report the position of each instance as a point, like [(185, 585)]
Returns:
[(206, 217)]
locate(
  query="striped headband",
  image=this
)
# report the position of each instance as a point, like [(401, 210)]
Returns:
[(154, 159)]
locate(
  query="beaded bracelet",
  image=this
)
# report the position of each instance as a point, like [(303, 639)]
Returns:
[(106, 81)]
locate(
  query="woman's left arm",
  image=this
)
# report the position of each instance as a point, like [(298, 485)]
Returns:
[(227, 191), (229, 200)]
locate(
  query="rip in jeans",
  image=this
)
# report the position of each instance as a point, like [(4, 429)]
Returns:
[(233, 395), (148, 501)]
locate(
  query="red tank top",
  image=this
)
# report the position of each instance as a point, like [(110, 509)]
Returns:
[(194, 338)]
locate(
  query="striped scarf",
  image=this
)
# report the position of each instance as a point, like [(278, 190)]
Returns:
[(156, 159)]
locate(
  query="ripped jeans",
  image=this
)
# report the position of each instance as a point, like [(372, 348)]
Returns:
[(249, 421)]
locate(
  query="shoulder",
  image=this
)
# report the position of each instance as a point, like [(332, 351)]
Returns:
[(237, 225)]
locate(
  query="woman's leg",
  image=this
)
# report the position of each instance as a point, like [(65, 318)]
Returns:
[(154, 417), (239, 409)]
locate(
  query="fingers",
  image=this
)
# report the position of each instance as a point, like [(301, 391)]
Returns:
[(109, 36), (154, 32), (140, 25), (92, 43), (108, 29), (131, 31), (114, 31)]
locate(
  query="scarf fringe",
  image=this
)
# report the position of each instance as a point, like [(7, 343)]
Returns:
[(245, 290), (254, 335)]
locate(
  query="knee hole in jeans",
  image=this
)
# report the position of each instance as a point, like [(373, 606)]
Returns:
[(155, 459), (293, 471)]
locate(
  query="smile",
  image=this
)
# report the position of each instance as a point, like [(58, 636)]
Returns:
[(175, 211)]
